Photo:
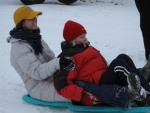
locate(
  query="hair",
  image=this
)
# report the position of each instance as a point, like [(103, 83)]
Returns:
[(19, 26), (73, 42)]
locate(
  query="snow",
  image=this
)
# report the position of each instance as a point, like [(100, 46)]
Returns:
[(112, 26)]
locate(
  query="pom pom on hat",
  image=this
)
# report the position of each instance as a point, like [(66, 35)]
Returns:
[(72, 30), (25, 12)]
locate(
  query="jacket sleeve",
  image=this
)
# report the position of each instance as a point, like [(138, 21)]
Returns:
[(29, 64), (65, 87)]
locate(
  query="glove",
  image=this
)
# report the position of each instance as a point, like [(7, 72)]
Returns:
[(88, 99), (66, 63)]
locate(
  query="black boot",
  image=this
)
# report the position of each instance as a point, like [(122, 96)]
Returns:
[(145, 71), (145, 102), (135, 89)]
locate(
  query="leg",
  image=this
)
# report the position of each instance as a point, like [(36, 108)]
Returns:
[(146, 101), (130, 62), (117, 97), (144, 11), (118, 71), (145, 71), (127, 59)]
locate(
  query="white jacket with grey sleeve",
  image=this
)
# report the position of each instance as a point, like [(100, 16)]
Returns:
[(35, 71)]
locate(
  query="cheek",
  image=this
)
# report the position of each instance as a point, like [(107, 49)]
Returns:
[(81, 40), (78, 41), (26, 24)]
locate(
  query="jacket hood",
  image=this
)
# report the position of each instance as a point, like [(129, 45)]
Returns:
[(8, 39), (11, 40), (66, 45), (68, 48)]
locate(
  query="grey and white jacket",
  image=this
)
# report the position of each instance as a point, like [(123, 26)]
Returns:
[(35, 71)]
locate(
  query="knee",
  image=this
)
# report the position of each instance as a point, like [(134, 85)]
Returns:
[(123, 56), (117, 61)]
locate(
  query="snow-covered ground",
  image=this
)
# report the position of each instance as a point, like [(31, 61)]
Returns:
[(112, 26)]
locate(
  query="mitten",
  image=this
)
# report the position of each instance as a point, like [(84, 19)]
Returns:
[(67, 63), (88, 99)]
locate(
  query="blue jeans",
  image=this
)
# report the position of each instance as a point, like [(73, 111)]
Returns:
[(110, 94)]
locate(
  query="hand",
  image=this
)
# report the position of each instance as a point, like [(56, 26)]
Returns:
[(89, 99), (67, 63)]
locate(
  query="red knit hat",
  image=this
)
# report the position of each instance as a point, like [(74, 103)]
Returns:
[(72, 30)]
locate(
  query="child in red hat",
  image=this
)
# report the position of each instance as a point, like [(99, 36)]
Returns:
[(91, 81)]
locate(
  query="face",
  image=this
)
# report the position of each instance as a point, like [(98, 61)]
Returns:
[(81, 40), (30, 24)]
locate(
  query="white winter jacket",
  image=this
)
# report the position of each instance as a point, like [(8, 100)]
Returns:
[(35, 71)]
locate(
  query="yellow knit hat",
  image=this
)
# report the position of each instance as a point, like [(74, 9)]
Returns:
[(25, 12)]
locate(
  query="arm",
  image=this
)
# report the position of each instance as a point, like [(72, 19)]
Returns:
[(29, 64), (66, 88), (73, 92)]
